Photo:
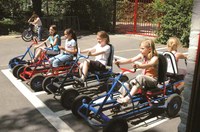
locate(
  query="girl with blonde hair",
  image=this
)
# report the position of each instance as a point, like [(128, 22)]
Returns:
[(149, 75)]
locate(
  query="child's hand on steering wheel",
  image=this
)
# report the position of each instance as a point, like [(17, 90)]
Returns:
[(116, 62), (61, 47), (89, 53), (136, 66)]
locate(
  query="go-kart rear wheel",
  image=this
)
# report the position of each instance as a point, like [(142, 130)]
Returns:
[(77, 103), (36, 82), (173, 105), (13, 62), (15, 69), (21, 70), (45, 82), (50, 87), (116, 125), (68, 97)]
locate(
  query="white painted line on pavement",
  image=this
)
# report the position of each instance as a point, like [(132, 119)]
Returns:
[(148, 124), (63, 113), (39, 93), (60, 125)]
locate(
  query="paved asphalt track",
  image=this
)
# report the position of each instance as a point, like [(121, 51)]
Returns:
[(23, 110)]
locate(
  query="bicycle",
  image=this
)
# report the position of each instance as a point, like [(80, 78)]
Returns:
[(31, 32)]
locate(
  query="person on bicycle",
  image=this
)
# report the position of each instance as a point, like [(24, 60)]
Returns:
[(36, 21), (54, 40)]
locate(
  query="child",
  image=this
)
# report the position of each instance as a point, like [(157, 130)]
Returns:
[(36, 21), (101, 52), (149, 76), (172, 46), (70, 49), (53, 48)]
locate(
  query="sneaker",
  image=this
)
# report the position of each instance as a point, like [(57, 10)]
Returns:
[(79, 80)]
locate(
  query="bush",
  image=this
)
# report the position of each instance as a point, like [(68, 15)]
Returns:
[(6, 24), (175, 19)]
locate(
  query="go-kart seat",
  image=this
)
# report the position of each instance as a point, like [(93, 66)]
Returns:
[(172, 67), (162, 70)]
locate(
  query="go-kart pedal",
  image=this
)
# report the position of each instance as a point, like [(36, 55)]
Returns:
[(116, 109), (79, 81)]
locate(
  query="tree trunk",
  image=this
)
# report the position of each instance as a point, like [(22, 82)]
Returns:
[(37, 4)]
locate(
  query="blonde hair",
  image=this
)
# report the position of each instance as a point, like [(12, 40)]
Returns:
[(104, 35), (149, 43), (173, 43)]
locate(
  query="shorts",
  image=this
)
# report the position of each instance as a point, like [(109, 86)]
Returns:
[(144, 82), (96, 66)]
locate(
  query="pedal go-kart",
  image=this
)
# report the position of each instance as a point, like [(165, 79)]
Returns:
[(95, 83), (20, 60), (97, 112), (39, 70)]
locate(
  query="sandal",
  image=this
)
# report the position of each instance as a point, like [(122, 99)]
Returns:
[(125, 100)]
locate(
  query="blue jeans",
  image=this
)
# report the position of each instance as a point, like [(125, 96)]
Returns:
[(60, 59), (39, 33)]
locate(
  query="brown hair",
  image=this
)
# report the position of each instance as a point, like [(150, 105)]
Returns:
[(104, 35), (54, 28), (72, 32)]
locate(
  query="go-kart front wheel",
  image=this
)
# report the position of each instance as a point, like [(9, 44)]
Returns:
[(116, 125), (15, 69), (68, 97), (13, 62), (77, 103), (173, 105), (36, 82)]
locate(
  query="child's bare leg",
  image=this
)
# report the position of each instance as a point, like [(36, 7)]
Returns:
[(85, 69), (126, 99), (38, 54)]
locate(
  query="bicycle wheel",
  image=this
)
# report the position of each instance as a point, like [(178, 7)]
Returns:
[(27, 35)]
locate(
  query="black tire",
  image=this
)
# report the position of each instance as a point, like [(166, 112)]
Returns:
[(21, 70), (13, 62), (116, 125), (45, 82), (77, 103), (27, 35), (36, 82), (173, 105), (67, 98), (15, 69)]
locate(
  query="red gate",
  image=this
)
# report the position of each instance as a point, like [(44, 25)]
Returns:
[(136, 17)]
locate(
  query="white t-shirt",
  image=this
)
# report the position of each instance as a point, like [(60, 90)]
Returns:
[(103, 58), (38, 23), (70, 44)]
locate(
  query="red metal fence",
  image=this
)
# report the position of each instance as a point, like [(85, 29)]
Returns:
[(136, 17)]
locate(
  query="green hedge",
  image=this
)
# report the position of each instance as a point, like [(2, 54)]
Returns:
[(175, 19)]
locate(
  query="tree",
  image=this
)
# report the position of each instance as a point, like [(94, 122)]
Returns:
[(37, 4)]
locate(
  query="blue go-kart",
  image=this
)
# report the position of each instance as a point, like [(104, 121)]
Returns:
[(20, 60), (97, 112)]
